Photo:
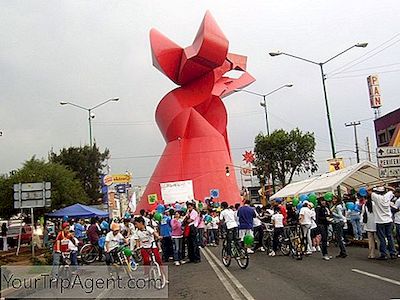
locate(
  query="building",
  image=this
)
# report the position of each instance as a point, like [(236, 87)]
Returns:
[(387, 129)]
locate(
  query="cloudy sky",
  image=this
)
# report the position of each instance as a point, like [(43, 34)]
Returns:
[(86, 52)]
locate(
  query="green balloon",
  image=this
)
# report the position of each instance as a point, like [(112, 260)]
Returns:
[(328, 196), (312, 197), (313, 201), (127, 252), (184, 209), (295, 201), (248, 240), (157, 216)]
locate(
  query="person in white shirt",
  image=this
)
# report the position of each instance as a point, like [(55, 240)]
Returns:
[(113, 239), (277, 222), (396, 217), (258, 231), (368, 217), (227, 216), (305, 219), (383, 220), (73, 249)]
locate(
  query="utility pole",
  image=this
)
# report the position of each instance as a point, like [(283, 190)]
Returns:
[(355, 124), (368, 148)]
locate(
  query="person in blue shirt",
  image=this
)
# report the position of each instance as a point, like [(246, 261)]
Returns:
[(80, 229), (165, 233), (245, 216)]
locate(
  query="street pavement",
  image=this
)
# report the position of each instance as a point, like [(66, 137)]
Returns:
[(282, 277)]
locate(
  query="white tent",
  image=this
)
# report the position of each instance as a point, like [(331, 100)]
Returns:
[(362, 174)]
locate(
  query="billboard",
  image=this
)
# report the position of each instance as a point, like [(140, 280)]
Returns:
[(374, 91)]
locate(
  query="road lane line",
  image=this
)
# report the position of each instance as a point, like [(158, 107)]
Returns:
[(376, 276), (241, 288), (228, 286)]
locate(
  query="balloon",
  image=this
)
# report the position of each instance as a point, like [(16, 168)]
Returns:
[(65, 218), (157, 216), (160, 208), (295, 201), (350, 205), (127, 252), (248, 240), (303, 198), (328, 196), (313, 199), (300, 205), (184, 209), (178, 206), (200, 206), (208, 218), (363, 192)]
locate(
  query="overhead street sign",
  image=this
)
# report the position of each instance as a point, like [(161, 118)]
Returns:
[(388, 162), (30, 195), (389, 172)]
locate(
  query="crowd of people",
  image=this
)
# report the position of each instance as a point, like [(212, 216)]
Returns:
[(180, 230)]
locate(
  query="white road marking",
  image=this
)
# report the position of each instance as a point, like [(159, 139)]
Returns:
[(228, 286), (241, 288), (376, 276)]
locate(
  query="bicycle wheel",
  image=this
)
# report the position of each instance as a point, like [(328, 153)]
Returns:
[(284, 243), (226, 260), (89, 253), (267, 242), (158, 277), (242, 258)]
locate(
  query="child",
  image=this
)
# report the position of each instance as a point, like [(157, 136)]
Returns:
[(165, 232), (277, 220), (73, 248), (177, 238)]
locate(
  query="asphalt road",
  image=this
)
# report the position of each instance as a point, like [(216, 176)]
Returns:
[(281, 277)]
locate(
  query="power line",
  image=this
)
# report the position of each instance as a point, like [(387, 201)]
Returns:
[(366, 74), (369, 68), (338, 70)]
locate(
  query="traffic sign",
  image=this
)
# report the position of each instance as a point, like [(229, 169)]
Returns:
[(388, 151), (388, 161), (29, 195)]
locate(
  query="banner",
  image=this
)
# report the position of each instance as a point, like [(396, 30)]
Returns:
[(335, 164), (132, 202), (178, 191), (152, 198)]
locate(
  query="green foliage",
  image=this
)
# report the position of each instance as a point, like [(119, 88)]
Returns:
[(284, 154), (65, 188), (87, 162)]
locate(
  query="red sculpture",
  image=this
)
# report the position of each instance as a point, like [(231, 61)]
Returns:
[(192, 117)]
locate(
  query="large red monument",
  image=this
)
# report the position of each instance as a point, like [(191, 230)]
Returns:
[(192, 117)]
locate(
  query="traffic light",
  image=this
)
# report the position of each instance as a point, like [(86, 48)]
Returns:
[(227, 172)]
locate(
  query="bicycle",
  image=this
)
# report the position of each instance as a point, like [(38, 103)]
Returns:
[(64, 270), (295, 241), (284, 241), (124, 258), (89, 253), (237, 251), (155, 271)]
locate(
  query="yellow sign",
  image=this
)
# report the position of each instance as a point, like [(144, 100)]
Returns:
[(335, 164), (121, 178), (152, 198)]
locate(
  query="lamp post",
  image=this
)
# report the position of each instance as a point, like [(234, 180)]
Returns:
[(90, 115), (323, 76), (264, 102)]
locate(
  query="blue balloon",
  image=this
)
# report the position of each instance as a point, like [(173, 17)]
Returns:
[(363, 192), (350, 205), (178, 207), (160, 208), (300, 205), (303, 198)]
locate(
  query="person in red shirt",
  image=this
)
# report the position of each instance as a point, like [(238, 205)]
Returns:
[(282, 209), (60, 245)]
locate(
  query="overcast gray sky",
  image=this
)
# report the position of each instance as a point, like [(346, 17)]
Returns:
[(89, 51)]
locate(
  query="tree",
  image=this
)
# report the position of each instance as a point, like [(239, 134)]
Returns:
[(65, 188), (284, 154), (87, 162)]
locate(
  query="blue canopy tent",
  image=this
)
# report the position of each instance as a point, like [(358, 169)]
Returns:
[(78, 210)]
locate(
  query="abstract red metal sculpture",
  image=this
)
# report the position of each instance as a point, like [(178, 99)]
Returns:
[(192, 117)]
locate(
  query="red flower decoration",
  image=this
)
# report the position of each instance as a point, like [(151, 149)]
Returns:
[(248, 157)]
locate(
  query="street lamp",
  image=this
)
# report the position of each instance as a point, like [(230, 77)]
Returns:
[(321, 64), (90, 114), (264, 102)]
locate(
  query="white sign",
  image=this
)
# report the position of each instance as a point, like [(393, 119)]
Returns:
[(178, 191), (388, 151), (388, 161), (36, 186), (389, 172), (374, 91)]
